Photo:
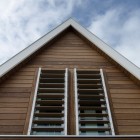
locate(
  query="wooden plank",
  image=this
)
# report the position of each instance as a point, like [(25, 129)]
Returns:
[(16, 95), (126, 105), (11, 122), (22, 77), (70, 51), (82, 66), (17, 105), (127, 116), (10, 133), (126, 96), (129, 133), (126, 110), (13, 110), (17, 90), (70, 63), (70, 57), (112, 70), (27, 69), (26, 73), (130, 100), (69, 48), (129, 128), (11, 85), (118, 78), (12, 116), (126, 82), (19, 81), (10, 129), (132, 91), (13, 100), (120, 86), (128, 122), (115, 74), (70, 54)]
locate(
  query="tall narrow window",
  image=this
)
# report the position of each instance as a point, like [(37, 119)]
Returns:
[(49, 111), (93, 115)]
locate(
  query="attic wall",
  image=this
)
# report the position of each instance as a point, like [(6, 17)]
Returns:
[(70, 51)]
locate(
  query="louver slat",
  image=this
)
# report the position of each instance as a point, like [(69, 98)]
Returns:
[(50, 102), (93, 114), (49, 95), (48, 115), (48, 128), (94, 121), (95, 129), (47, 108), (91, 96), (46, 121)]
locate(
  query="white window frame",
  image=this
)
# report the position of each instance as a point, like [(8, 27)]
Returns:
[(107, 103), (34, 102), (65, 103), (76, 102)]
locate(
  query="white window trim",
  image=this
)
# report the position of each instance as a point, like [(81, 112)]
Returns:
[(34, 102), (76, 102), (66, 102), (107, 103)]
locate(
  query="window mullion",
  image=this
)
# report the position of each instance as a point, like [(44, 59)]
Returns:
[(76, 102), (34, 102), (107, 103), (66, 102)]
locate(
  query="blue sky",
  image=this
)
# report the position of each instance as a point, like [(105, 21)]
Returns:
[(116, 22)]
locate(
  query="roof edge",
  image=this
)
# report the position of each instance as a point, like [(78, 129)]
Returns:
[(125, 63), (116, 56), (25, 53)]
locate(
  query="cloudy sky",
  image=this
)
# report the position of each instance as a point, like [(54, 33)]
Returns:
[(116, 22)]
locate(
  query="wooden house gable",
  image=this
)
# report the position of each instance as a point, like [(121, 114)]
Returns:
[(69, 50)]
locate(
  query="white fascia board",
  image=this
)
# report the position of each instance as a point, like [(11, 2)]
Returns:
[(133, 69), (14, 61)]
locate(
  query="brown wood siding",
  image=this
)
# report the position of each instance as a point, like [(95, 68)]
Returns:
[(70, 51), (15, 95)]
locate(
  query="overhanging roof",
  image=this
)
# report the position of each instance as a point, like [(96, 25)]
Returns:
[(17, 59)]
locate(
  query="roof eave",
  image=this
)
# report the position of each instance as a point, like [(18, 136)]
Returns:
[(21, 56), (121, 60), (11, 63)]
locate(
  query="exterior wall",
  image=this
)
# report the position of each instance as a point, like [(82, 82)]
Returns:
[(70, 51), (14, 100)]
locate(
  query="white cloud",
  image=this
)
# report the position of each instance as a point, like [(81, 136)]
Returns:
[(24, 21), (121, 31)]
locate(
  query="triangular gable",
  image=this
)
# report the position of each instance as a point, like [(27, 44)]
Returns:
[(20, 57)]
